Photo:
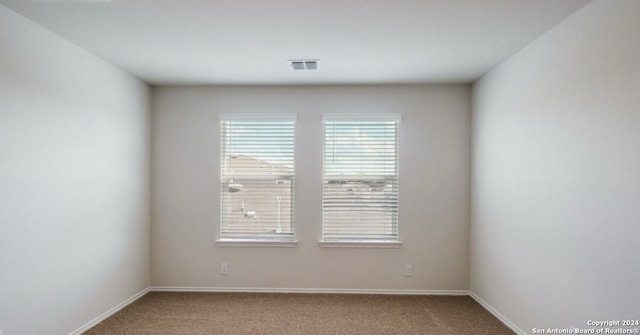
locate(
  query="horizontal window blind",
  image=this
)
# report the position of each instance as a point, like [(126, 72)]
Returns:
[(360, 180), (257, 179)]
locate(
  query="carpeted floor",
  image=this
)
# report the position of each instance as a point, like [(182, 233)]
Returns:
[(265, 314)]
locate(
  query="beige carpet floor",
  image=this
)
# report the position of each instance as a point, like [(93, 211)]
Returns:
[(265, 314)]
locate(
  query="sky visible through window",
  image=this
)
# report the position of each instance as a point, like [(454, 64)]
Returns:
[(360, 147), (262, 140)]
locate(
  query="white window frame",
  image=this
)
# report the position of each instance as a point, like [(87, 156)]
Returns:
[(362, 242), (255, 241)]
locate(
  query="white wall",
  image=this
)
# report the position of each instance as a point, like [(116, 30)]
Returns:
[(556, 174), (434, 190), (74, 182)]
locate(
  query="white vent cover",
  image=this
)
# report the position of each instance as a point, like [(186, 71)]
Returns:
[(304, 64)]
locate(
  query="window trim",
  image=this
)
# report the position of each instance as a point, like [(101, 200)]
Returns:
[(280, 242), (361, 117), (361, 242), (258, 117), (351, 243), (227, 242)]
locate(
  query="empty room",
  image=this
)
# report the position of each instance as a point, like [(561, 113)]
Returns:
[(375, 167)]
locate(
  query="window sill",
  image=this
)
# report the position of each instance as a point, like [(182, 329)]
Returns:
[(256, 243), (360, 244)]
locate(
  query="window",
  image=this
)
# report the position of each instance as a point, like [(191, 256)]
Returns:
[(257, 178), (360, 179)]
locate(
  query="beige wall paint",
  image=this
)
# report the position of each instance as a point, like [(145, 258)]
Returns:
[(556, 174), (434, 190), (74, 182)]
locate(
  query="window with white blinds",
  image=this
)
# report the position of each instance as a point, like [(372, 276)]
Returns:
[(257, 178), (360, 179)]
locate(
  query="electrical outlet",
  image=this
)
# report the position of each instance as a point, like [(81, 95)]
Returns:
[(224, 269), (408, 270)]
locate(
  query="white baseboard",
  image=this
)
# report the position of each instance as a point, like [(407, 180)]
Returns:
[(110, 312), (305, 290), (497, 314)]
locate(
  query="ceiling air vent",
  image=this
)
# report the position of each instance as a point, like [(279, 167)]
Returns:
[(304, 64)]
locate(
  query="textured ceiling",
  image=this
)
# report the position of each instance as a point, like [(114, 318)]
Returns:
[(249, 42)]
